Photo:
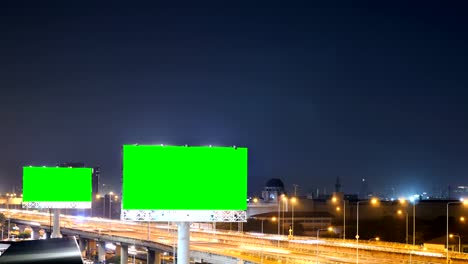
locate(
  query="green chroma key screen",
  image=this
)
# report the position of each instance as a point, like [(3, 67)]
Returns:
[(57, 184), (184, 178)]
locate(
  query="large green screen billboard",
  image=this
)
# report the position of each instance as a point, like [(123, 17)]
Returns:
[(184, 178), (57, 187)]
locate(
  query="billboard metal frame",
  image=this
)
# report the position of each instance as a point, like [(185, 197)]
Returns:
[(184, 215), (57, 205), (179, 215)]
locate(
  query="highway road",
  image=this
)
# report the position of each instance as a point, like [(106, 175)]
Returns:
[(251, 247)]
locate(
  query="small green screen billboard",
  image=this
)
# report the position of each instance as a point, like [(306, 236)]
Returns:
[(184, 178), (57, 187)]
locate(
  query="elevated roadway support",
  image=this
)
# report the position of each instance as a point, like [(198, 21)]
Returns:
[(183, 242), (154, 257), (101, 251), (83, 243), (123, 254), (56, 227)]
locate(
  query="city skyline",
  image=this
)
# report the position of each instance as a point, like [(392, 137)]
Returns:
[(315, 90)]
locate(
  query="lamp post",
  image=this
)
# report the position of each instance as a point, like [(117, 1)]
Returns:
[(110, 204), (464, 202), (8, 210), (293, 201), (316, 248), (285, 205), (414, 223), (279, 204), (273, 219), (262, 225), (400, 212), (403, 202), (459, 241), (98, 197), (372, 201), (334, 200)]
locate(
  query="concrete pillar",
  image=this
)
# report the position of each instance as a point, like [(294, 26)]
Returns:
[(102, 251), (154, 257), (82, 244), (123, 254), (183, 242), (56, 228)]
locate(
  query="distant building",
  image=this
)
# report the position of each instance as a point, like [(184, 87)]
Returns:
[(95, 180), (273, 188), (337, 185), (460, 191), (364, 190)]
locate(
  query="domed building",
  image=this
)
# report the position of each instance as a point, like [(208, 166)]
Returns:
[(273, 188)]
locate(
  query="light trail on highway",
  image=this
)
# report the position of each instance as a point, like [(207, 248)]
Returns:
[(248, 246)]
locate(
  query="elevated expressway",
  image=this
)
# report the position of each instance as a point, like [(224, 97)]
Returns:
[(233, 247)]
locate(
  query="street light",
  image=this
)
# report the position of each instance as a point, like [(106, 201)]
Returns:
[(285, 205), (373, 201), (459, 241), (110, 204), (273, 219), (400, 212), (403, 202), (329, 229), (464, 202), (293, 201), (334, 200), (279, 219)]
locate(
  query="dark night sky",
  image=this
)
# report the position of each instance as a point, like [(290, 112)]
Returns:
[(356, 91)]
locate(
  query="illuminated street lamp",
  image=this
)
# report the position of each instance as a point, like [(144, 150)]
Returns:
[(285, 205), (273, 219), (373, 201), (329, 229), (293, 201), (462, 219), (400, 212), (334, 200), (404, 202), (110, 204), (98, 197), (459, 241), (279, 214), (462, 201)]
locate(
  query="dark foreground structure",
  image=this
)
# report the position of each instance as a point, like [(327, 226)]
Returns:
[(51, 251)]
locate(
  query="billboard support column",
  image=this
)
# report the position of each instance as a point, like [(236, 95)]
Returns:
[(183, 242), (56, 228)]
